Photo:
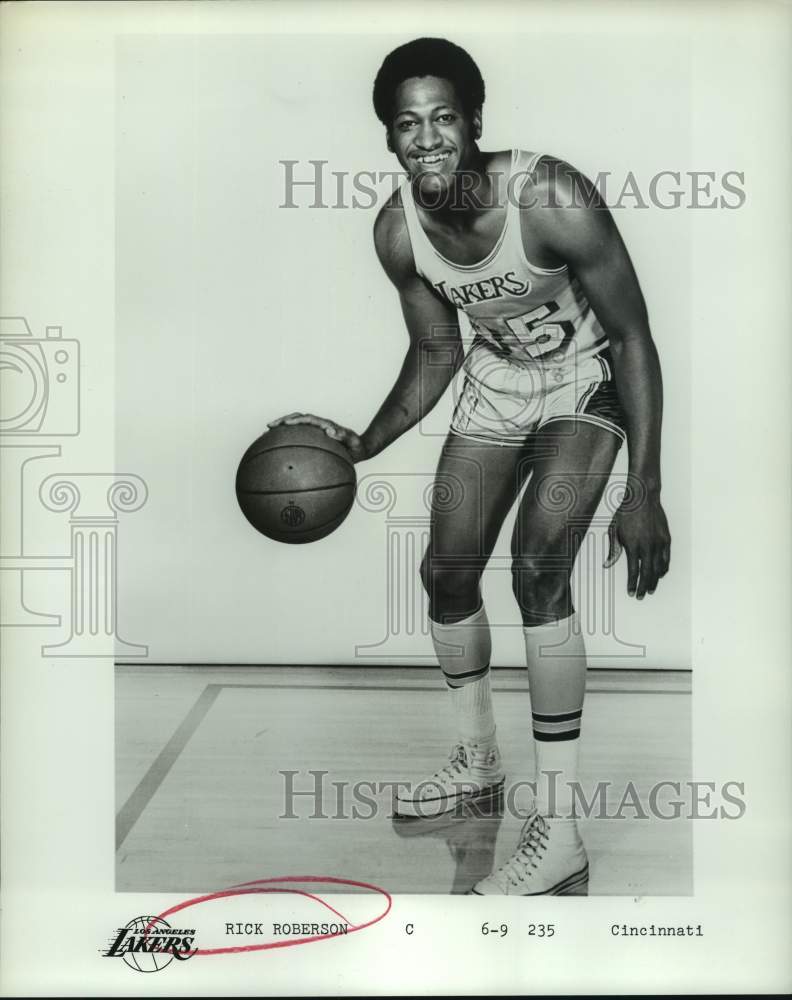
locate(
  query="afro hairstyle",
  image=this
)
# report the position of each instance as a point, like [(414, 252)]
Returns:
[(427, 57)]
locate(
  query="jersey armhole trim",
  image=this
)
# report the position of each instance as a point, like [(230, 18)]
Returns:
[(529, 167)]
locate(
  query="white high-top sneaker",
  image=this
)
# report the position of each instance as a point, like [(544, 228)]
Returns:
[(473, 773), (550, 860)]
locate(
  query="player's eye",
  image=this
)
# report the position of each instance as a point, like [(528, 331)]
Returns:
[(446, 118), (404, 124)]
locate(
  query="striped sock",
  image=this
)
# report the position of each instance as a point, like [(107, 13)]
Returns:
[(556, 658), (463, 650), (472, 705)]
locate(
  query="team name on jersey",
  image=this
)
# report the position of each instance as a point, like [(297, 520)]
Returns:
[(484, 290)]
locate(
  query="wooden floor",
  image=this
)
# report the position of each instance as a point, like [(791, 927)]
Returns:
[(199, 794)]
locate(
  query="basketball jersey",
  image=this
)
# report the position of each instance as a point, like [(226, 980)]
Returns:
[(534, 315)]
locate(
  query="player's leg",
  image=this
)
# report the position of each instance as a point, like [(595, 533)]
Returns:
[(554, 515), (475, 486)]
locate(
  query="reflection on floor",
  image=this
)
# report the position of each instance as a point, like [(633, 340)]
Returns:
[(228, 774)]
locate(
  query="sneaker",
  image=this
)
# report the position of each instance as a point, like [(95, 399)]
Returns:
[(487, 811), (550, 860), (473, 774)]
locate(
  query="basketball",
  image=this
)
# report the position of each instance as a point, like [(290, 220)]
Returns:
[(295, 484)]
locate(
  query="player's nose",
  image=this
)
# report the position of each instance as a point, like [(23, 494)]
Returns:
[(428, 138)]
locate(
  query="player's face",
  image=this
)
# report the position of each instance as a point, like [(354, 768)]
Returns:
[(431, 134)]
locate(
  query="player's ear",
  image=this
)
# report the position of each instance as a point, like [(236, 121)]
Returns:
[(476, 124), (388, 142)]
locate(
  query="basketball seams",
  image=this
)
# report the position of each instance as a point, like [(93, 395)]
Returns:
[(312, 447), (319, 484), (304, 489)]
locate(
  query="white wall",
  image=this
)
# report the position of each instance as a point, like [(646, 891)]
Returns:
[(232, 310)]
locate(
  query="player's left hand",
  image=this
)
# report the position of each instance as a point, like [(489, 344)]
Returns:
[(348, 438), (643, 533)]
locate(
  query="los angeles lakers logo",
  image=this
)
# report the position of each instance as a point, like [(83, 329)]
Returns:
[(293, 516)]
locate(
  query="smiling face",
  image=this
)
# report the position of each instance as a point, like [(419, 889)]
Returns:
[(431, 134)]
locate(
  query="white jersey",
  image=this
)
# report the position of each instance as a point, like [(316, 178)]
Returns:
[(536, 316)]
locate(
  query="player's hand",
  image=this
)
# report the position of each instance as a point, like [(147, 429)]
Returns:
[(348, 438), (643, 533)]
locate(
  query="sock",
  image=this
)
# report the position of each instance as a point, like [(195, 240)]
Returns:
[(472, 704), (463, 650), (556, 658)]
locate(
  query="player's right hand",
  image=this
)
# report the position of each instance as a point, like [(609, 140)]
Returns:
[(348, 438)]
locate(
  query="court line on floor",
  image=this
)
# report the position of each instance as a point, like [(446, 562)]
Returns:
[(147, 787), (405, 687), (206, 664), (132, 809)]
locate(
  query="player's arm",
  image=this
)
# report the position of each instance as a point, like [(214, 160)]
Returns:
[(577, 228), (433, 355), (434, 350)]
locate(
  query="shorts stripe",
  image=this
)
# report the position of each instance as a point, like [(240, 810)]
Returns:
[(589, 418), (501, 442), (580, 408)]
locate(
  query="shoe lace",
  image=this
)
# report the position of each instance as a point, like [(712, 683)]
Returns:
[(456, 766), (460, 760), (533, 842)]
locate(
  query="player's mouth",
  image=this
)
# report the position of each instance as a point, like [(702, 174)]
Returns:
[(431, 159)]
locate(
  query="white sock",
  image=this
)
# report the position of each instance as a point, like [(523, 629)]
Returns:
[(472, 705), (556, 659), (463, 650), (556, 767)]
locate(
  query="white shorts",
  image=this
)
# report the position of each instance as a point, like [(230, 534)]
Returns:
[(502, 401)]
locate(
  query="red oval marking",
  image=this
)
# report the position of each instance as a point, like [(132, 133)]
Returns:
[(257, 886)]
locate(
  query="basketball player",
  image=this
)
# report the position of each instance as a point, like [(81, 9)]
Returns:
[(561, 371)]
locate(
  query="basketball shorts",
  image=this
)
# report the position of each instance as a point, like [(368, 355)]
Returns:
[(503, 401)]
